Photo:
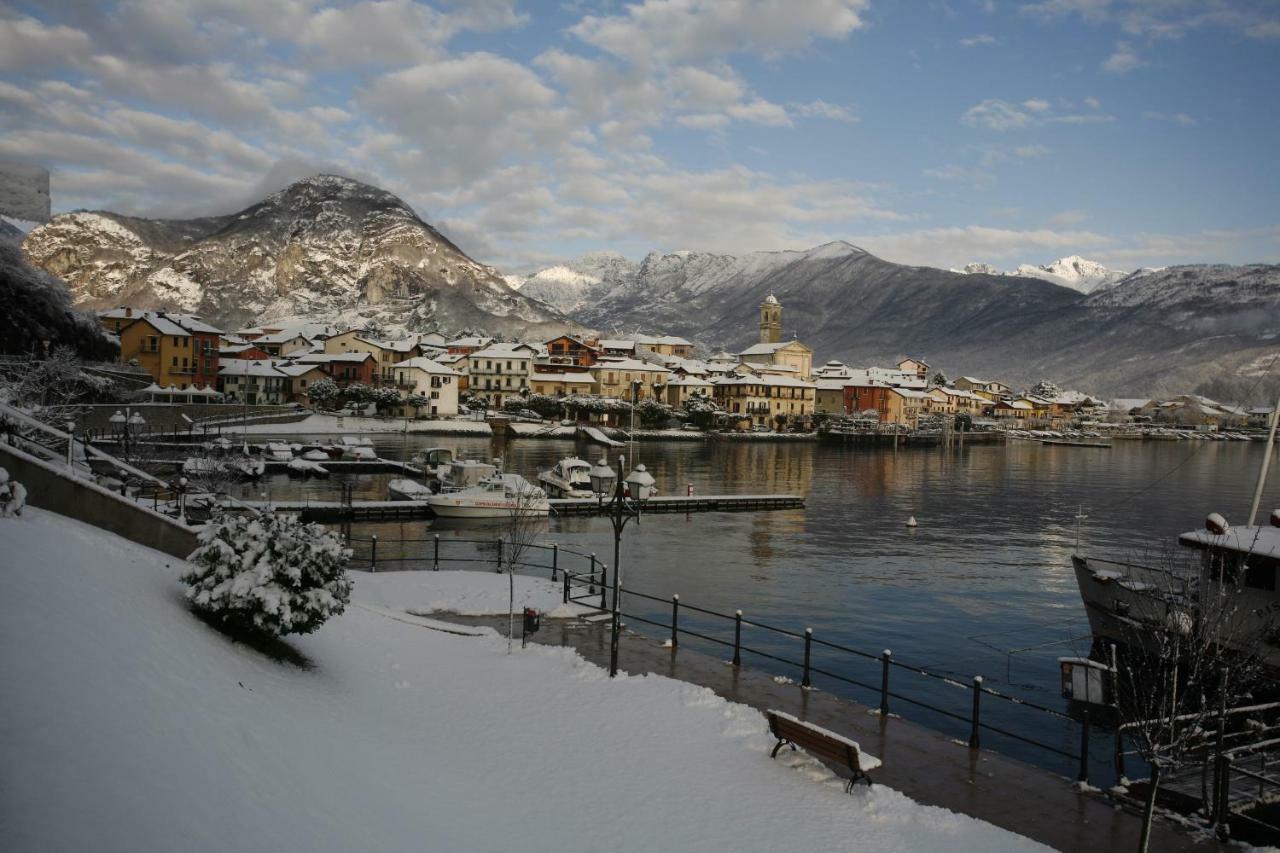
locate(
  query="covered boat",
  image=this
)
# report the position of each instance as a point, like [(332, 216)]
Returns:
[(498, 496)]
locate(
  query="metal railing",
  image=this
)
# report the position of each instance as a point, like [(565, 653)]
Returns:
[(884, 678)]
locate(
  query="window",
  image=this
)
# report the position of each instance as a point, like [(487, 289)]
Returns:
[(153, 344), (175, 361)]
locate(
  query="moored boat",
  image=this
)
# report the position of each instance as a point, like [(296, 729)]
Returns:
[(569, 478), (404, 489), (498, 496)]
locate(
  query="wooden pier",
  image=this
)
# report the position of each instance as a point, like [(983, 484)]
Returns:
[(392, 510)]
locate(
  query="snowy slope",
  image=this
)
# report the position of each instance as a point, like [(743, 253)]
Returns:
[(1074, 272), (133, 726)]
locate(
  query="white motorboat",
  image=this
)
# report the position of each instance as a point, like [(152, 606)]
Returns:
[(316, 455), (275, 452), (464, 474), (306, 468), (404, 489), (358, 453), (568, 479), (498, 496)]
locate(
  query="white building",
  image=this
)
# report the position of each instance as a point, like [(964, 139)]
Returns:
[(500, 371), (432, 380)]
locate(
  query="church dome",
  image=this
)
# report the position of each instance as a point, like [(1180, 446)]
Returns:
[(771, 300)]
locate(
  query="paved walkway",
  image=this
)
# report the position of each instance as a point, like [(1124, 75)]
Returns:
[(923, 764)]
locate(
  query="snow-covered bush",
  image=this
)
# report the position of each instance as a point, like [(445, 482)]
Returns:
[(324, 393), (269, 574), (13, 496)]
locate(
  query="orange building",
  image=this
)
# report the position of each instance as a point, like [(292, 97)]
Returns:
[(176, 349)]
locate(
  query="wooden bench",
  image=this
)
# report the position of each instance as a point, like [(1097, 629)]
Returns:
[(823, 745)]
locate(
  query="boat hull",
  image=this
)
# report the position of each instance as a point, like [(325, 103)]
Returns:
[(485, 509)]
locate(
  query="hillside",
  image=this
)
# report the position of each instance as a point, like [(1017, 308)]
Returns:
[(325, 248), (1148, 332)]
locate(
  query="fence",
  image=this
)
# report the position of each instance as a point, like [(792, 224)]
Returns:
[(584, 579)]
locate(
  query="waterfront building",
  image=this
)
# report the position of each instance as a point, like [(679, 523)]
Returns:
[(572, 351), (893, 405), (561, 384), (429, 379), (176, 349), (345, 368), (500, 371), (257, 383), (665, 345), (301, 378), (614, 377), (681, 388), (769, 401)]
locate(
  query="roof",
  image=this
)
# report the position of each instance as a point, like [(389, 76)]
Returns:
[(295, 369), (573, 378), (1259, 540), (1015, 404), (506, 350), (910, 393), (764, 349), (452, 357), (617, 344), (783, 381), (689, 382), (327, 357), (245, 367), (662, 340), (771, 300), (472, 341), (427, 365), (628, 364), (280, 337), (174, 325)]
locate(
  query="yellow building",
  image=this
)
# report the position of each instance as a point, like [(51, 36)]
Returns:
[(614, 378), (561, 384), (176, 349), (681, 388), (767, 400)]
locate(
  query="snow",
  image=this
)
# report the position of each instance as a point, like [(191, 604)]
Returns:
[(133, 726), (463, 593), (328, 425)]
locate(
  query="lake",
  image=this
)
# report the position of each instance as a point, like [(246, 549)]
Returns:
[(983, 586)]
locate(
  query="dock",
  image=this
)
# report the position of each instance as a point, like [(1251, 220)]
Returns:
[(392, 510), (687, 503)]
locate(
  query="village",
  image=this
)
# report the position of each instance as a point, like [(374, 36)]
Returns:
[(772, 386)]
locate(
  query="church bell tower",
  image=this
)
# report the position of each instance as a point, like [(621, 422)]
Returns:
[(770, 320)]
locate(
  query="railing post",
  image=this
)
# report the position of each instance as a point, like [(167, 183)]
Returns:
[(591, 585), (675, 617), (555, 561), (974, 740), (884, 682), (1083, 775), (566, 587), (808, 640), (737, 638), (499, 555), (604, 587), (1119, 751), (435, 560), (373, 555), (1224, 800)]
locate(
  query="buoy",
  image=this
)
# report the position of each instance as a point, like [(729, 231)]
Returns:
[(911, 522)]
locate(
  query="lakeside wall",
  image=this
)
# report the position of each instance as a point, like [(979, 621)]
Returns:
[(49, 487)]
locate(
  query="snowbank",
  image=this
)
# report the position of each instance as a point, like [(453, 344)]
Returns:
[(463, 593), (328, 425), (129, 725)]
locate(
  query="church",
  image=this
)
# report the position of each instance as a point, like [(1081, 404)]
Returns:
[(772, 355)]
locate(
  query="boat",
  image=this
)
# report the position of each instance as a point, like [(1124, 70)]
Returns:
[(463, 474), (498, 496), (1075, 442), (404, 489), (276, 452), (359, 453), (568, 479), (316, 455), (306, 468), (1238, 574), (434, 461)]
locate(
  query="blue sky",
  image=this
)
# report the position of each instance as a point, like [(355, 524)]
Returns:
[(1134, 132)]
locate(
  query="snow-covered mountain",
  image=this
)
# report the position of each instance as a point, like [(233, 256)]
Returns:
[(1073, 271), (1145, 332), (326, 248)]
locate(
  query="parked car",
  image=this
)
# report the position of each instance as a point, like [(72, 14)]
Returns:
[(689, 427), (760, 428)]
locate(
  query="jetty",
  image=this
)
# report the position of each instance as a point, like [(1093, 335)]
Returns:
[(361, 510), (917, 438)]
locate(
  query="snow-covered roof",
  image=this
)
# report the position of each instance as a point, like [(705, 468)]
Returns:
[(290, 368), (473, 341), (452, 357), (328, 357), (282, 337), (771, 300), (689, 382), (827, 384), (506, 349), (764, 349), (245, 367), (909, 393), (1015, 404), (572, 378), (628, 364), (403, 345), (768, 379), (1259, 540), (662, 340), (427, 365), (1128, 404), (615, 343)]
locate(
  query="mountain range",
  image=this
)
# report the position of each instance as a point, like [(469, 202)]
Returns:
[(324, 247), (1149, 331), (335, 250)]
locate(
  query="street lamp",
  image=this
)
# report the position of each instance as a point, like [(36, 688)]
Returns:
[(620, 509)]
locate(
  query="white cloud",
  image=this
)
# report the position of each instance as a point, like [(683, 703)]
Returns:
[(978, 40), (1093, 103), (760, 111), (955, 246), (1174, 118), (996, 114), (679, 31), (1036, 105), (960, 174), (822, 109), (704, 121), (26, 44), (1123, 60)]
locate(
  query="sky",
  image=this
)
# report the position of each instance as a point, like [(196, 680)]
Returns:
[(1132, 132)]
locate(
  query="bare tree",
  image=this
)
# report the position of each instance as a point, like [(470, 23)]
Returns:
[(524, 521), (1193, 650)]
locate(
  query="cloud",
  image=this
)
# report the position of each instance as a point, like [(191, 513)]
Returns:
[(978, 40), (955, 246), (1093, 103), (822, 109), (1036, 105), (1181, 119), (960, 174), (760, 111), (1123, 60), (996, 114), (27, 44), (680, 31), (1166, 19)]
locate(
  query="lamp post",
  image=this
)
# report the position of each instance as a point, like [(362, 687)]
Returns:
[(71, 442), (620, 509)]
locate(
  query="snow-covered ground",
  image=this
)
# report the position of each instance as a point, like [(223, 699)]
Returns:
[(328, 425), (129, 725), (463, 593)]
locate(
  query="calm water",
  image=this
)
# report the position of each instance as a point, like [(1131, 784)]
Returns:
[(983, 586)]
